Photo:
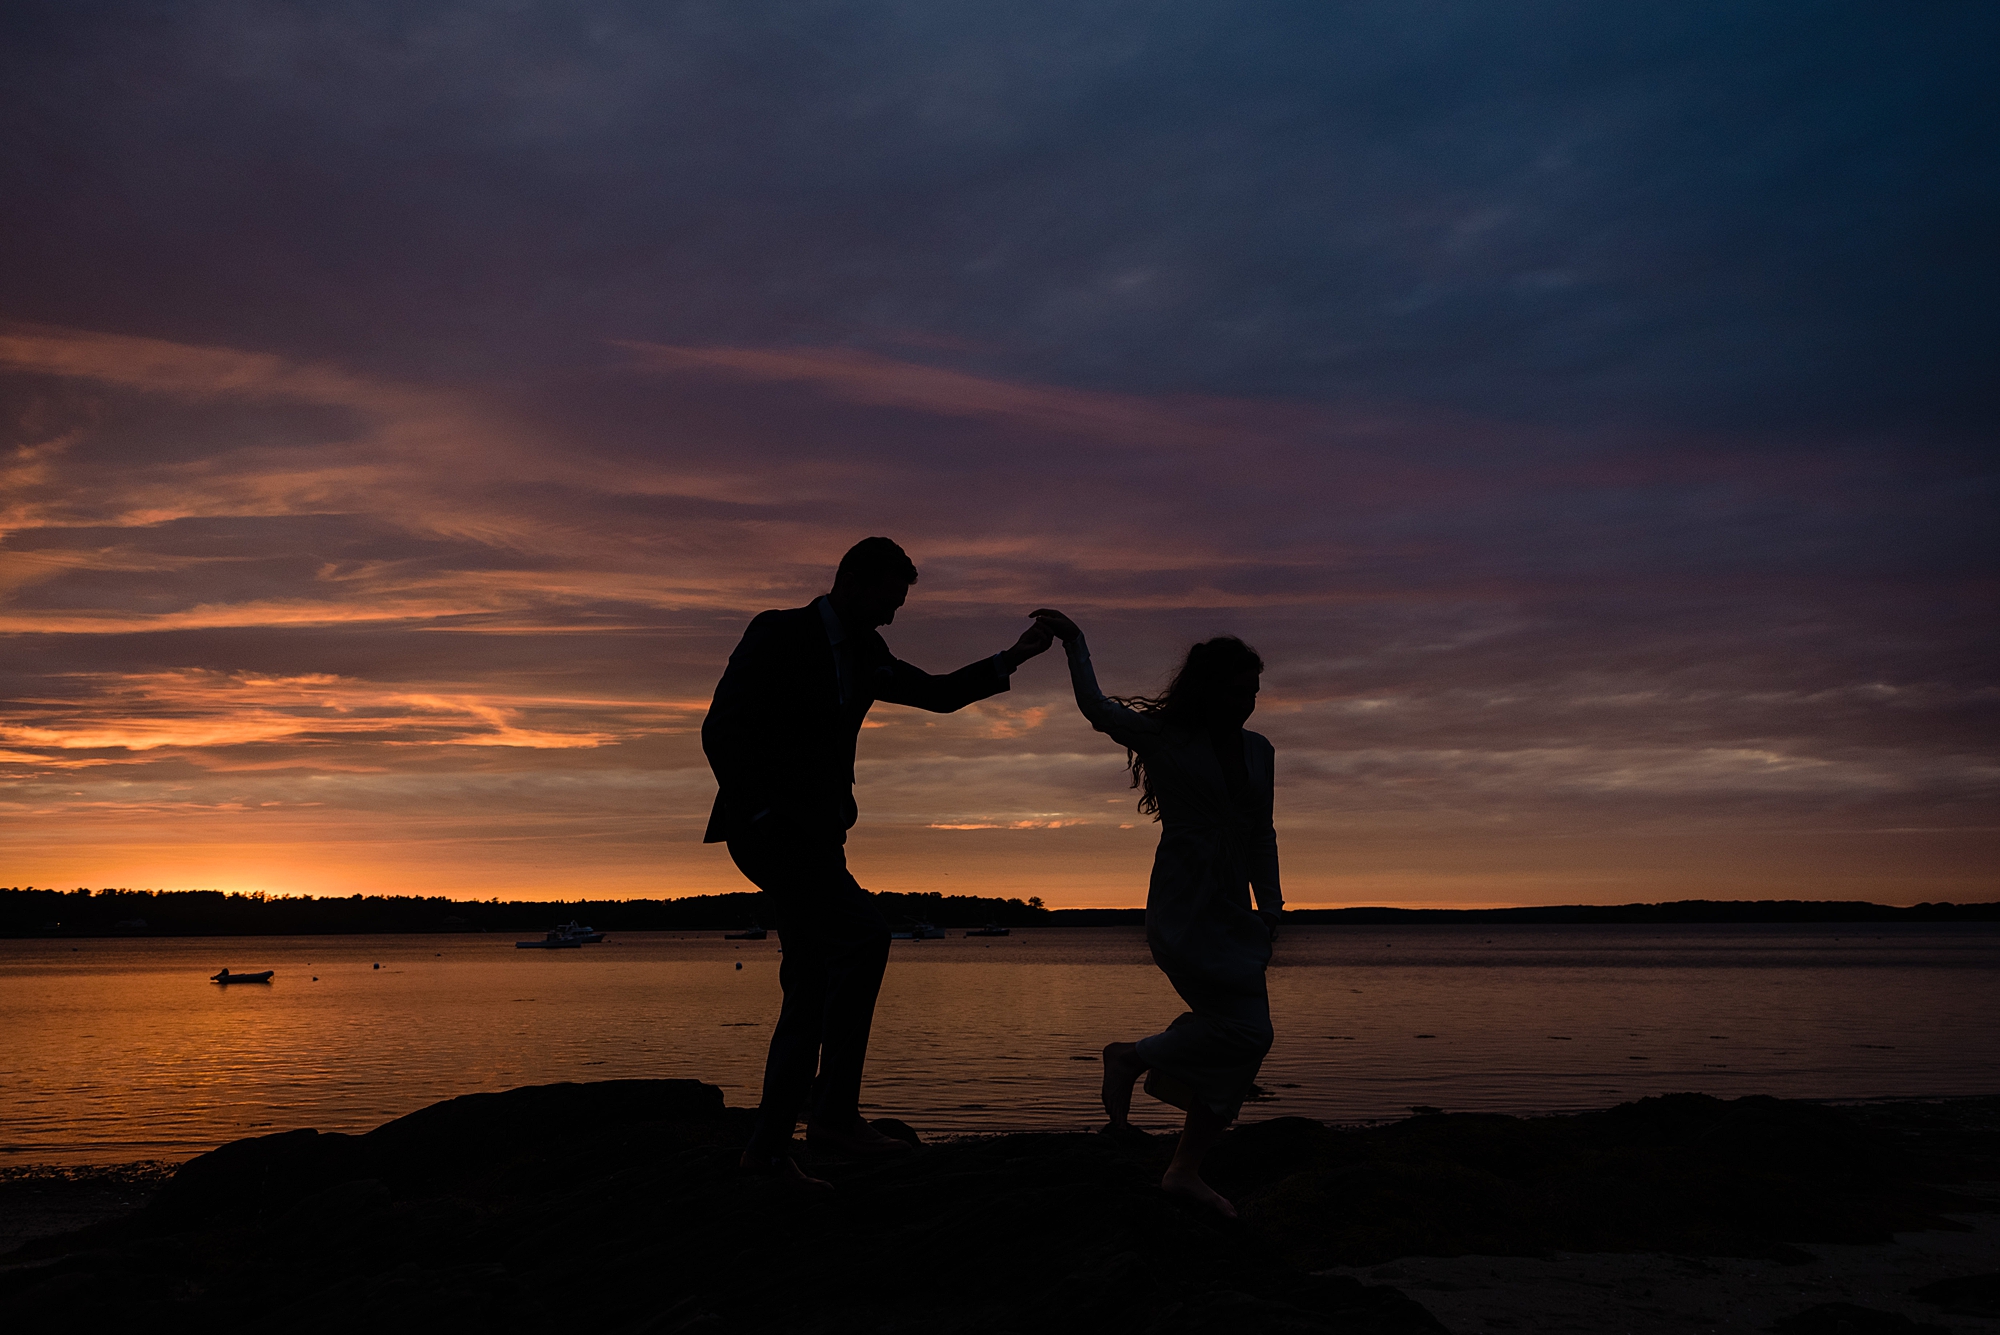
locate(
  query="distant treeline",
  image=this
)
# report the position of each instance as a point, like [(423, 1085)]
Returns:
[(1680, 911), (32, 912)]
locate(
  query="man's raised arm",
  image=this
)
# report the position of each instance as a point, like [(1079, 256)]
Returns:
[(910, 685)]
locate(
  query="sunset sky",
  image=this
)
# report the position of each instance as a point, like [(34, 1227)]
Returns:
[(1588, 410)]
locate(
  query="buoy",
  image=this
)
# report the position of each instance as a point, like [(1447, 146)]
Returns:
[(315, 978), (378, 966), (739, 966)]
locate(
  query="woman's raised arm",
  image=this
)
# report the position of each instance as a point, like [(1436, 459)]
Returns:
[(1127, 727)]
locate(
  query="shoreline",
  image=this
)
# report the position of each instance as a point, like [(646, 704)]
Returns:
[(1344, 1228), (16, 1166), (19, 1166), (30, 913)]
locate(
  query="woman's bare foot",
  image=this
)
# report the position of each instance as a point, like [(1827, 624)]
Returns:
[(1186, 1182), (1122, 1069), (783, 1169)]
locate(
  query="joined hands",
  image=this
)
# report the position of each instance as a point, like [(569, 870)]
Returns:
[(1056, 623), (1048, 627)]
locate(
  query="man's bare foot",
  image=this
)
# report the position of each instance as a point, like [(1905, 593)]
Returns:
[(784, 1169), (857, 1140), (1188, 1183), (1122, 1069)]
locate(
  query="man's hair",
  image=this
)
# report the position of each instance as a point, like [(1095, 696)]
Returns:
[(875, 560)]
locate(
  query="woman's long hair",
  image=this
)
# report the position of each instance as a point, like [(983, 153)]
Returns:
[(1190, 700)]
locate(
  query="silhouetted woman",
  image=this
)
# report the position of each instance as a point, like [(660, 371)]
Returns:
[(1208, 781)]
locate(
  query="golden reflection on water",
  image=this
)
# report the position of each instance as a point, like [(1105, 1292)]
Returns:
[(122, 1049)]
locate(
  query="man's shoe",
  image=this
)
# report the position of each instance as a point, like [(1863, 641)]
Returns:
[(857, 1140)]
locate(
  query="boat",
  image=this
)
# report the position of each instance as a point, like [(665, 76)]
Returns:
[(555, 940), (753, 934), (920, 931), (589, 936), (262, 976), (989, 929)]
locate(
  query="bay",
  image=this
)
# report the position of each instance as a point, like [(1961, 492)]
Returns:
[(119, 1050)]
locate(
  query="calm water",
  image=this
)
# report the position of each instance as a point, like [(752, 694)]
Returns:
[(118, 1050)]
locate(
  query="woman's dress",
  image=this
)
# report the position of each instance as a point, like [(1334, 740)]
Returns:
[(1217, 843)]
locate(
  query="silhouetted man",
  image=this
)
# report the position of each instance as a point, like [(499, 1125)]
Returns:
[(780, 736)]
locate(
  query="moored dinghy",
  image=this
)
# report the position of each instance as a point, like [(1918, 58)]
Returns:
[(262, 976)]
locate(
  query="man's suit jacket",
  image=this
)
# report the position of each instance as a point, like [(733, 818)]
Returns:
[(780, 739)]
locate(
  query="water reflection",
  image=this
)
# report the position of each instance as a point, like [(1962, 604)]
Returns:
[(121, 1049)]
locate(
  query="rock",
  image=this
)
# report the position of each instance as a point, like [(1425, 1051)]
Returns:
[(1685, 1173), (475, 1131), (1967, 1295), (249, 1179), (1849, 1319), (618, 1205)]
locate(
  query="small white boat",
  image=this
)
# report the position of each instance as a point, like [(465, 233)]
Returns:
[(588, 936)]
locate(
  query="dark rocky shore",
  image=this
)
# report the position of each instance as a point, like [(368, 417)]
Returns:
[(616, 1207)]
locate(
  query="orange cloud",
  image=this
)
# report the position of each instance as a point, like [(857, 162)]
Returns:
[(202, 711), (161, 367)]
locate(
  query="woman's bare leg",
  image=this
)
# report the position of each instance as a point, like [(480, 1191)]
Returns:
[(1204, 1127), (1122, 1069)]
